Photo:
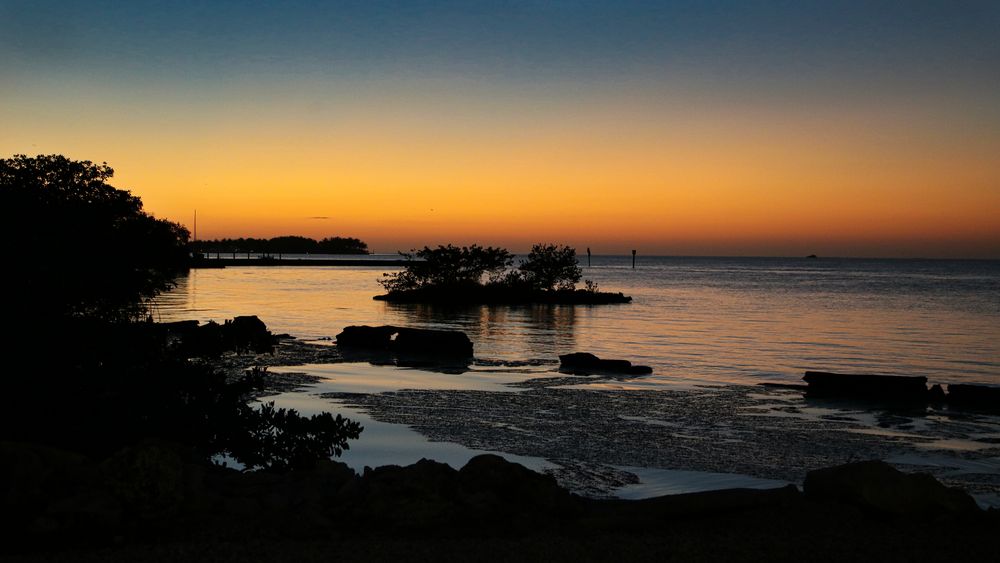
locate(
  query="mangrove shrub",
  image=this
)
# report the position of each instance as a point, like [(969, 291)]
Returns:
[(81, 247), (449, 267)]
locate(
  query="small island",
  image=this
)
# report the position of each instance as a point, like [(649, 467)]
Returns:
[(288, 244), (475, 275)]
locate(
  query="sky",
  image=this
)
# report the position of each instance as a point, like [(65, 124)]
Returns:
[(681, 128)]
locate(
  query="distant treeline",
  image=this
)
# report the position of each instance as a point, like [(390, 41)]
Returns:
[(282, 245)]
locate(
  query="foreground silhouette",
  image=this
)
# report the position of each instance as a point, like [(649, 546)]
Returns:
[(84, 248), (146, 498), (89, 377)]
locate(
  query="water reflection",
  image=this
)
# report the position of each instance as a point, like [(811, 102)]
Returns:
[(728, 320), (536, 330)]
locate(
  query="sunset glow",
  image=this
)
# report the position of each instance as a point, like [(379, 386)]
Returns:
[(639, 137)]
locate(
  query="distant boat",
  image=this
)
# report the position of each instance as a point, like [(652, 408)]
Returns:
[(812, 256)]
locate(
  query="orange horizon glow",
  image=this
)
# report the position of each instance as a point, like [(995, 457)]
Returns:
[(671, 176), (764, 187), (679, 128)]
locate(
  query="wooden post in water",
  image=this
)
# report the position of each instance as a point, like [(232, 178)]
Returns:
[(633, 259), (588, 256)]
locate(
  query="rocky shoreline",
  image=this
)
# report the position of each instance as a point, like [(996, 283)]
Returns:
[(589, 434), (63, 506), (152, 499)]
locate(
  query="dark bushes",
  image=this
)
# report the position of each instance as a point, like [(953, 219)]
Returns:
[(477, 275), (83, 247), (86, 379), (449, 266)]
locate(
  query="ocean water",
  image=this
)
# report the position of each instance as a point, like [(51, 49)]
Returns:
[(737, 320), (711, 329)]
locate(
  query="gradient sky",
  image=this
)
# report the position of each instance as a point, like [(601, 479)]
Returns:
[(727, 128)]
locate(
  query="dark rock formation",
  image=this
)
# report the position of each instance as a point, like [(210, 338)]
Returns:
[(180, 329), (372, 338), (417, 342), (974, 396), (241, 334), (406, 342), (877, 486), (156, 494), (870, 387), (583, 363), (424, 493), (491, 485), (248, 333), (936, 394)]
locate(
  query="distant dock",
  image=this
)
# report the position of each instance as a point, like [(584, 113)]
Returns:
[(211, 263)]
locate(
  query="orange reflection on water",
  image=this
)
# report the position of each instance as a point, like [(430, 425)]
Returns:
[(707, 320)]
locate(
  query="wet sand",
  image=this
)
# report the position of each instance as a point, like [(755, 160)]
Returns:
[(605, 437)]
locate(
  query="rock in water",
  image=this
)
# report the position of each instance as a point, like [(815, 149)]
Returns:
[(421, 342), (249, 333), (974, 396), (936, 394), (879, 487), (404, 341), (584, 363), (366, 337), (863, 386)]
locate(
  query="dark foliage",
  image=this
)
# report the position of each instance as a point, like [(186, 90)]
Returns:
[(281, 439), (449, 267), (282, 245), (476, 275), (87, 379), (83, 246), (116, 384), (550, 266)]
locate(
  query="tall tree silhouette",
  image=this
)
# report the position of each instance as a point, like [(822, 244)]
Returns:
[(80, 245)]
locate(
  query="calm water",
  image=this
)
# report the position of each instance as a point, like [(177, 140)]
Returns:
[(705, 319), (694, 320)]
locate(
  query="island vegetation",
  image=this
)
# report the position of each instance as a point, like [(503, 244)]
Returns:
[(281, 245), (487, 275)]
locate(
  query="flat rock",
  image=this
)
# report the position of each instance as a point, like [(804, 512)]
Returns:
[(866, 386), (584, 363), (974, 396), (406, 342)]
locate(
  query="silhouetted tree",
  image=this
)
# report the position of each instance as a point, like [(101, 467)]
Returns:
[(549, 266), (82, 246), (448, 266), (453, 275), (342, 245)]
